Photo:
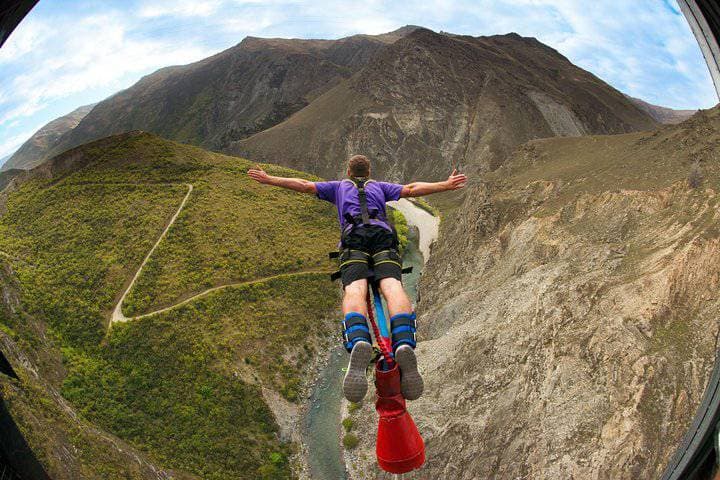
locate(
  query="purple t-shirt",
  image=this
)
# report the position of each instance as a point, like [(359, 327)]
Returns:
[(344, 195)]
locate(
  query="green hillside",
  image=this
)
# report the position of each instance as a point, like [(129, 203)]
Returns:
[(184, 386)]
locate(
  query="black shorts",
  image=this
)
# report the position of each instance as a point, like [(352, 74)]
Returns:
[(371, 239)]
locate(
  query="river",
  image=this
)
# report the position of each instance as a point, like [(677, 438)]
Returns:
[(321, 425)]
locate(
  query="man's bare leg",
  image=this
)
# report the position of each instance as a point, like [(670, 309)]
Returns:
[(402, 324), (355, 319), (395, 296), (354, 298)]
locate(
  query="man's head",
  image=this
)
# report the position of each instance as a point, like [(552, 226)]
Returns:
[(358, 166)]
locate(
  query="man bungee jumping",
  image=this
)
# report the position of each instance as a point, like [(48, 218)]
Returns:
[(369, 247)]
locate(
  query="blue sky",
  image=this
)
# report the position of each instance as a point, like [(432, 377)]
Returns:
[(71, 53)]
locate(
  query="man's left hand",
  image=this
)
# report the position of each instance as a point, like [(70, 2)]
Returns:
[(259, 175)]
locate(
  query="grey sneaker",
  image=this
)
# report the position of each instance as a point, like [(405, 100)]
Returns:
[(355, 382), (411, 383)]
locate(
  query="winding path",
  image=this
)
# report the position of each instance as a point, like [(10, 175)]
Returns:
[(221, 287), (117, 315)]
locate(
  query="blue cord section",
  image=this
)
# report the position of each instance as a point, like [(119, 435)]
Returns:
[(380, 312)]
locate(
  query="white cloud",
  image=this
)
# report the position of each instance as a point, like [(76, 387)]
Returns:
[(25, 40), (99, 53), (179, 8)]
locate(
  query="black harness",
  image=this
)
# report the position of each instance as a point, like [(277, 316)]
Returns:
[(365, 213), (347, 255)]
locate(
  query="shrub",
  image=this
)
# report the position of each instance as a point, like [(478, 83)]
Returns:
[(350, 441), (397, 219), (422, 203), (347, 423)]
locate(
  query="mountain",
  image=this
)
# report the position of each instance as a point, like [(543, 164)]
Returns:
[(664, 115), (231, 95), (569, 311), (37, 149), (431, 100), (188, 364)]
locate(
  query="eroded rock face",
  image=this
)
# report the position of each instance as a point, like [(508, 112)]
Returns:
[(569, 312), (575, 357)]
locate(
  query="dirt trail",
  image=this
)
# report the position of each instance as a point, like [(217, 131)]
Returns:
[(221, 287), (117, 315)]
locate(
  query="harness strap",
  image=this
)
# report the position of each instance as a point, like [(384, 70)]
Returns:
[(403, 327), (349, 256), (387, 256), (362, 198)]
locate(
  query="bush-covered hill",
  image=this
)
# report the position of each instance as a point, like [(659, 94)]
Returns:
[(187, 388)]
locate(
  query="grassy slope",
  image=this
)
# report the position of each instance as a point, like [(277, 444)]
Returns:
[(183, 386), (79, 244)]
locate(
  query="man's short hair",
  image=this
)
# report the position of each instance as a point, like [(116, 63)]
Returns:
[(359, 166)]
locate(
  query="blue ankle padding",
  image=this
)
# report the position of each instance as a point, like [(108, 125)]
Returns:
[(403, 329), (349, 344)]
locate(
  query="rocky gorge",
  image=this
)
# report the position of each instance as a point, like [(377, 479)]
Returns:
[(569, 312)]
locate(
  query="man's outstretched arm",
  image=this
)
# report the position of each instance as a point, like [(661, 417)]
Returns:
[(418, 189), (297, 184)]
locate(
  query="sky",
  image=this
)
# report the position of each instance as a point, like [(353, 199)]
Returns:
[(68, 53)]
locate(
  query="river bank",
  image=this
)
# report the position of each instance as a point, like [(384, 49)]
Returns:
[(427, 224)]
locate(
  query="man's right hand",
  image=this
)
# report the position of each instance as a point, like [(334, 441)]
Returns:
[(259, 175), (455, 180)]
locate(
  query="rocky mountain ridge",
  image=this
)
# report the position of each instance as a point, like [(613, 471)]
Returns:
[(668, 116), (38, 148), (500, 91), (430, 101), (233, 94)]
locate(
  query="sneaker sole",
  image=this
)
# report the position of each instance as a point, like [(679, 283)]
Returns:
[(411, 382), (355, 383)]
